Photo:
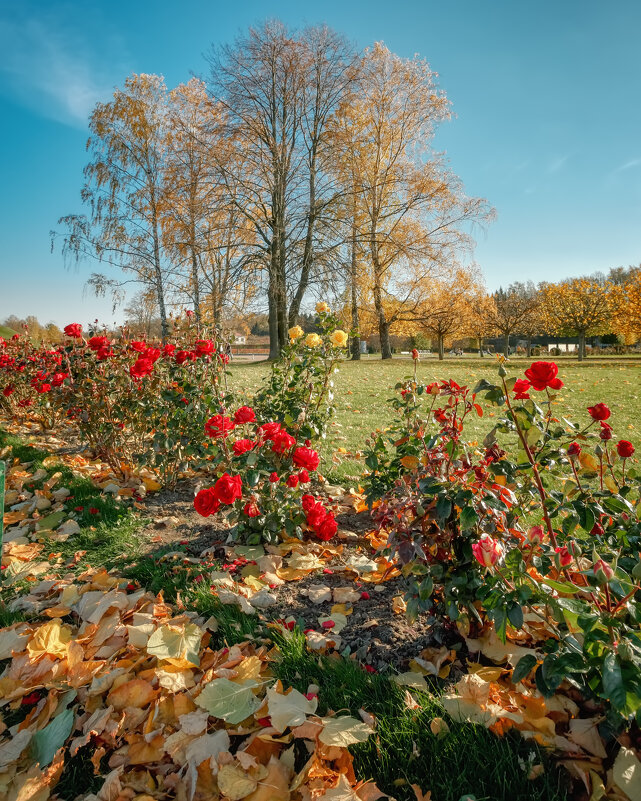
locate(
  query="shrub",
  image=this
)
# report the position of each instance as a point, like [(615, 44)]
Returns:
[(549, 534)]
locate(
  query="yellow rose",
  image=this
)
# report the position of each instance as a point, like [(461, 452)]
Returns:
[(338, 338), (322, 308), (295, 333), (312, 340)]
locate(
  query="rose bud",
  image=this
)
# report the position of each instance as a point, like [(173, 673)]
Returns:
[(487, 551), (574, 449)]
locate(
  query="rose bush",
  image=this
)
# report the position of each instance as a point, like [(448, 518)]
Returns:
[(299, 391), (544, 542)]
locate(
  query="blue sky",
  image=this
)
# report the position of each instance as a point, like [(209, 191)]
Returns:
[(548, 127)]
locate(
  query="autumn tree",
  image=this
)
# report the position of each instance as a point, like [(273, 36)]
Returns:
[(124, 189), (448, 306), (414, 206), (627, 303), (479, 320), (279, 90), (511, 310), (578, 307)]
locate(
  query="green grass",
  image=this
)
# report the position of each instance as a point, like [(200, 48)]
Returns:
[(6, 332), (403, 751), (363, 388)]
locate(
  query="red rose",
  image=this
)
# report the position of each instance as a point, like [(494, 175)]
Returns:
[(415, 354), (606, 431), (315, 515), (244, 415), (327, 528), (308, 502), (58, 379), (169, 349), (574, 449), (218, 426), (282, 442), (203, 347), (292, 481), (152, 353), (303, 477), (542, 375), (269, 430), (183, 355), (251, 509), (242, 446), (42, 388), (306, 457), (599, 411), (206, 503), (228, 488), (139, 347), (274, 478), (95, 343), (141, 367), (104, 353), (565, 557), (625, 449), (73, 330), (521, 387), (8, 390)]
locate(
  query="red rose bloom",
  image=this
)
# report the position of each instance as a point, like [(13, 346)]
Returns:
[(414, 354), (303, 477), (242, 446), (542, 375), (8, 390), (73, 330), (141, 368), (292, 481), (308, 502), (104, 353), (153, 354), (182, 356), (315, 515), (606, 431), (58, 379), (206, 503), (327, 528), (521, 387), (42, 388), (169, 349), (282, 442), (306, 457), (203, 347), (244, 415), (251, 509), (574, 449), (95, 343), (565, 557), (599, 411), (228, 488), (139, 347), (218, 426), (274, 478), (625, 449), (269, 430)]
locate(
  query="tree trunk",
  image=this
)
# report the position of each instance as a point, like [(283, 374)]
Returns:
[(308, 250), (383, 325), (356, 339), (160, 293), (506, 346), (528, 347), (194, 278), (481, 347), (441, 347), (274, 350), (581, 345)]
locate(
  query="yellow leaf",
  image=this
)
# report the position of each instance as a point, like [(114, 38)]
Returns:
[(52, 638), (410, 462)]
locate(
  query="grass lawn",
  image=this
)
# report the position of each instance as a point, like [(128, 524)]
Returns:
[(363, 388)]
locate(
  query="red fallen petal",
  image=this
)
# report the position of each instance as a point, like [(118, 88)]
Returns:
[(327, 571), (370, 669), (131, 586), (365, 596), (311, 696), (184, 542), (328, 624), (290, 625), (265, 722), (307, 631)]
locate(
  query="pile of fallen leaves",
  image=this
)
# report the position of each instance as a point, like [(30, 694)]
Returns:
[(163, 712)]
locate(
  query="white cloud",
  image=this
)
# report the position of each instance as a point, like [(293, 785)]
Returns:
[(48, 67), (628, 165), (556, 164)]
